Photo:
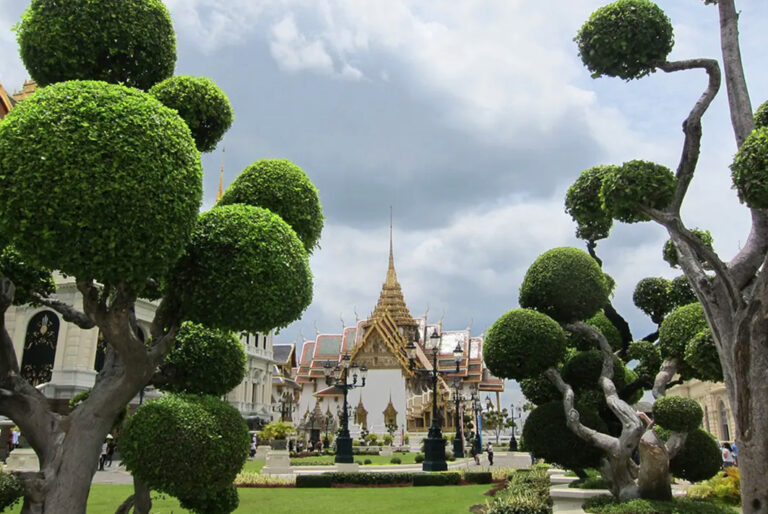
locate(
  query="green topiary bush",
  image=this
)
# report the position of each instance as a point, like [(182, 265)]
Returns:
[(419, 458), (368, 478), (566, 284), (650, 359), (303, 481), (201, 104), (367, 461), (699, 459), (116, 213), (625, 39), (547, 437), (27, 278), (652, 296), (761, 116), (119, 41), (201, 426), (702, 358), (670, 251), (582, 371), (395, 460), (679, 328), (601, 322), (610, 505), (750, 170), (266, 283), (443, 478), (204, 361), (681, 292), (677, 413), (539, 390), (219, 501), (478, 477), (582, 203), (634, 185), (11, 490), (283, 188), (522, 344)]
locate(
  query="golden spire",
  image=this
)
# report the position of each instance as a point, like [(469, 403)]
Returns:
[(391, 297), (221, 175)]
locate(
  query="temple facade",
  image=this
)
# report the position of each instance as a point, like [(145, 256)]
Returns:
[(397, 397)]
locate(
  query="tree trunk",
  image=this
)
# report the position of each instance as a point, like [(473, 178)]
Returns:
[(620, 473), (653, 476)]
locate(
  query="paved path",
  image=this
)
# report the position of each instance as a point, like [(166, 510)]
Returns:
[(114, 474)]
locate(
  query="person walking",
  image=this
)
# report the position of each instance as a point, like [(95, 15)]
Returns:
[(735, 452), (103, 456), (489, 449), (728, 459)]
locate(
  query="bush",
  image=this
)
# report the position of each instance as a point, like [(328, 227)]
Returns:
[(582, 203), (443, 478), (582, 371), (283, 188), (266, 283), (566, 284), (279, 430), (699, 459), (11, 490), (723, 487), (27, 278), (670, 251), (201, 104), (204, 361), (680, 327), (749, 169), (523, 502), (606, 327), (387, 439), (652, 297), (637, 183), (419, 458), (367, 461), (395, 460), (64, 197), (677, 413), (219, 501), (625, 39), (539, 390), (702, 358), (367, 478), (201, 426), (610, 505), (478, 477), (522, 344), (313, 481), (119, 41)]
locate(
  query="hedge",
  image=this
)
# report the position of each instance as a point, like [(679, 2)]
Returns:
[(449, 478), (478, 477), (313, 481), (369, 478)]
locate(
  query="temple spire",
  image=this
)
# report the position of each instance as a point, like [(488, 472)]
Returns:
[(221, 175), (391, 274)]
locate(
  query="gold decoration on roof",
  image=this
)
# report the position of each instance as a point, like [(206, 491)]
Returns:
[(30, 86)]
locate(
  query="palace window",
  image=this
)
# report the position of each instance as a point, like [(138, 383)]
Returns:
[(40, 347)]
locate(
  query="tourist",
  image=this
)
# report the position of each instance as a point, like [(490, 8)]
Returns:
[(253, 446), (489, 449), (103, 456), (735, 452), (728, 460), (475, 454), (15, 434), (110, 450)]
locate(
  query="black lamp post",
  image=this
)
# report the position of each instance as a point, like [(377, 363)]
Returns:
[(512, 440), (285, 406), (458, 441), (337, 375), (474, 401), (434, 445)]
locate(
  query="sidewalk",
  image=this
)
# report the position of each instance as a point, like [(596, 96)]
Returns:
[(114, 474)]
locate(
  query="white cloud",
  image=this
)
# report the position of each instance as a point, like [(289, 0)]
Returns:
[(293, 52)]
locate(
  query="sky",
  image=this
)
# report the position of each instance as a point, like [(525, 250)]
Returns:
[(469, 118)]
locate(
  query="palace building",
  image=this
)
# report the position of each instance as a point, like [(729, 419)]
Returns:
[(395, 395)]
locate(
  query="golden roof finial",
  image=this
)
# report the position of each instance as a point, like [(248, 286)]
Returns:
[(221, 175)]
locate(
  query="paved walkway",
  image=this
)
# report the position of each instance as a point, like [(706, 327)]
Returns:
[(114, 474)]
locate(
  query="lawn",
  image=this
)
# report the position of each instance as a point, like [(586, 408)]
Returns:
[(253, 466), (376, 460), (104, 499)]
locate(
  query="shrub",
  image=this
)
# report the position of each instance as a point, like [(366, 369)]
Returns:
[(219, 501), (582, 203), (539, 390), (204, 361), (670, 251), (680, 327), (11, 490), (652, 297), (371, 439), (761, 116), (637, 184), (582, 371), (625, 39), (723, 487), (444, 478), (606, 327), (523, 502), (283, 188), (677, 413), (203, 426), (387, 439), (681, 292), (478, 477), (278, 430), (313, 481), (522, 344), (395, 460), (699, 459), (367, 478), (63, 196), (649, 359), (27, 278), (367, 461), (119, 41), (609, 505), (566, 284), (702, 358), (419, 458), (201, 104), (267, 282), (749, 169)]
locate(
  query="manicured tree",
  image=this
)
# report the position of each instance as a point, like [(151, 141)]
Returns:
[(496, 421), (594, 388), (104, 182), (630, 39)]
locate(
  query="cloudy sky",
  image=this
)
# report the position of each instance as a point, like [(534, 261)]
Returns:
[(470, 118)]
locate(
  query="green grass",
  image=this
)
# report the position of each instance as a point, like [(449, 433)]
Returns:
[(253, 466), (376, 460), (105, 499)]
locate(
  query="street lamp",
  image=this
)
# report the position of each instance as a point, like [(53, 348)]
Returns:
[(285, 406), (512, 440), (474, 402), (458, 441), (337, 375), (434, 445)]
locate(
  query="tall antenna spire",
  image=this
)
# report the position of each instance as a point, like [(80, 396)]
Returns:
[(221, 175), (391, 253)]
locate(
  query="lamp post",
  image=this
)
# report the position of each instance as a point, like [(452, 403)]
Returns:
[(285, 406), (512, 440), (458, 441), (337, 375), (474, 401), (434, 445)]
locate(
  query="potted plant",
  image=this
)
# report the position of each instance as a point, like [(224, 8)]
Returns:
[(277, 434)]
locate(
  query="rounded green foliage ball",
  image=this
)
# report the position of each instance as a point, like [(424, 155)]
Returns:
[(548, 437), (119, 41), (652, 296), (761, 116), (566, 284), (625, 39), (11, 490), (606, 327), (209, 433), (99, 181), (582, 371), (750, 170), (679, 328), (283, 188), (539, 390), (649, 358), (522, 344), (220, 501), (244, 270), (702, 358), (670, 251), (582, 203), (699, 459), (634, 185), (27, 277), (204, 361), (681, 292), (677, 414), (201, 104)]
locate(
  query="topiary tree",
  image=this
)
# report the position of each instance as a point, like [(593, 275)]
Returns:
[(629, 39), (102, 181)]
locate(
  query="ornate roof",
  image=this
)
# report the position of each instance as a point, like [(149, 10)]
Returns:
[(6, 103), (30, 86)]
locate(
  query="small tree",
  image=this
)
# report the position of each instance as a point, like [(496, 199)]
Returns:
[(497, 421)]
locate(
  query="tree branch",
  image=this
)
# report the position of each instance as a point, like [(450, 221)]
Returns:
[(669, 369), (613, 316), (692, 124), (750, 258), (675, 443), (67, 312)]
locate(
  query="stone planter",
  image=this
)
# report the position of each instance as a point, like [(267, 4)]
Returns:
[(22, 459), (279, 444), (278, 463), (386, 451), (262, 451)]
